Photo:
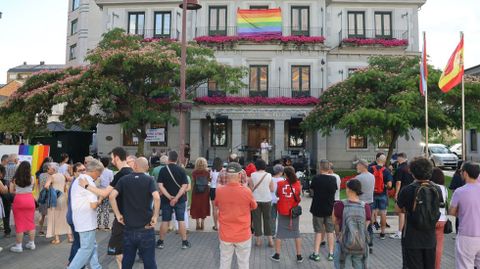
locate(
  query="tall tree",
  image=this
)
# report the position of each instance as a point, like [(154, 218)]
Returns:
[(382, 102), (128, 80)]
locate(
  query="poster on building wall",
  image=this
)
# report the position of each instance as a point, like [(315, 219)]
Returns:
[(155, 135)]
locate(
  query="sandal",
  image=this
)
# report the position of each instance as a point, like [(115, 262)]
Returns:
[(214, 228), (55, 242), (41, 233)]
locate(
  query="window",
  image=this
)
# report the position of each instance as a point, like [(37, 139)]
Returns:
[(73, 27), (258, 7), (383, 25), (162, 24), (300, 21), (356, 24), (296, 136), (136, 23), (258, 80), (75, 4), (473, 140), (72, 55), (160, 134), (300, 80), (213, 89), (217, 20), (351, 71), (357, 142), (219, 133), (129, 138)]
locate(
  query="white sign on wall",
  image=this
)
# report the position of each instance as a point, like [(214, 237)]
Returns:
[(155, 135)]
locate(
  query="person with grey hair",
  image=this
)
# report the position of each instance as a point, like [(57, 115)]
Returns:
[(131, 160), (323, 187), (56, 216), (4, 160), (84, 215), (163, 162), (383, 181), (277, 177)]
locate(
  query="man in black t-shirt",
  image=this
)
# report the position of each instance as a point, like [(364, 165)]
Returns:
[(418, 246), (137, 190), (324, 187), (402, 178), (173, 183)]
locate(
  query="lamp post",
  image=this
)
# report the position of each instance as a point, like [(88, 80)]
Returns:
[(184, 105)]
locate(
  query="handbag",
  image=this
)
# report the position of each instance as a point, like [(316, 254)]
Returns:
[(296, 211), (448, 228)]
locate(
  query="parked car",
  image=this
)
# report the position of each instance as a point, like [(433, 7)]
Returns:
[(441, 156), (457, 150)]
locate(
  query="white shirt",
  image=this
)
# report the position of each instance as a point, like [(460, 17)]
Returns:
[(339, 181), (106, 178), (84, 217), (63, 169), (443, 211), (264, 146), (274, 193), (213, 178), (262, 193)]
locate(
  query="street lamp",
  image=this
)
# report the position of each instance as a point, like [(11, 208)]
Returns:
[(184, 106)]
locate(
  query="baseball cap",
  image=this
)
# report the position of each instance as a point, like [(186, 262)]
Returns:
[(233, 167), (362, 162)]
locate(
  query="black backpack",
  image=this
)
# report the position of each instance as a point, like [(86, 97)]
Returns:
[(426, 207), (201, 184)]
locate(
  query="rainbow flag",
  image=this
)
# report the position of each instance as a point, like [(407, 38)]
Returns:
[(36, 154), (259, 22)]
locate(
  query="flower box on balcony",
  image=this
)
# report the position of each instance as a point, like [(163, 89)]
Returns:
[(374, 42), (285, 101), (229, 42)]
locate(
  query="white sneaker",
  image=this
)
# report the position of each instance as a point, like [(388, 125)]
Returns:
[(30, 245), (1, 249), (16, 249), (396, 235)]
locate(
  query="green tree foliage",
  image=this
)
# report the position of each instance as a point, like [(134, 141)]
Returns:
[(382, 102), (128, 80)]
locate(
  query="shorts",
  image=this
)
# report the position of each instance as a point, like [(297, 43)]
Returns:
[(115, 244), (379, 202), (212, 194), (323, 224), (167, 211)]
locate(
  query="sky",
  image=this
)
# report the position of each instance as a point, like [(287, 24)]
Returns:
[(35, 30)]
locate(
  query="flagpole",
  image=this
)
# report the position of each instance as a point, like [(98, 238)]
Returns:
[(464, 140), (426, 105)]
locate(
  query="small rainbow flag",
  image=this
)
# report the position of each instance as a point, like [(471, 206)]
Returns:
[(38, 153), (259, 22)]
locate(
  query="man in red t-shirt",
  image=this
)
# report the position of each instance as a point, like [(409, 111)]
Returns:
[(234, 203)]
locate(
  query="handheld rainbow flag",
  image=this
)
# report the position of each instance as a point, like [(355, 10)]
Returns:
[(453, 73), (34, 155), (259, 22)]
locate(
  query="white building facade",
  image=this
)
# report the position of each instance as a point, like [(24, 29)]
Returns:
[(292, 71)]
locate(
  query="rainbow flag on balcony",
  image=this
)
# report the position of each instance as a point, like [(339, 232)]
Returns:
[(259, 22)]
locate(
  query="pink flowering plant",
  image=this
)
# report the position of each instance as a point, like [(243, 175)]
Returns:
[(285, 40), (375, 41), (272, 101)]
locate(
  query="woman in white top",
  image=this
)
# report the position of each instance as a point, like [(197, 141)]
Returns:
[(439, 179), (216, 168), (262, 186), (277, 177)]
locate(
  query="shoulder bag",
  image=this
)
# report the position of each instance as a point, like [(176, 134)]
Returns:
[(296, 211), (260, 182)]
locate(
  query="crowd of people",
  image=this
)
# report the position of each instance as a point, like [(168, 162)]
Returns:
[(250, 206)]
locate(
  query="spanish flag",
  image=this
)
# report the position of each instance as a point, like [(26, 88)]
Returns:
[(453, 73)]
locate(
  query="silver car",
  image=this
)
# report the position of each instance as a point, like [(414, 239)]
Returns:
[(442, 157)]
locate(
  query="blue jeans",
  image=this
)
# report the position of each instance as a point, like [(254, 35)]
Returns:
[(143, 241), (87, 253), (75, 244), (351, 261)]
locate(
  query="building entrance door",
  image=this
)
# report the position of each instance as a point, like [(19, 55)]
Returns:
[(256, 133)]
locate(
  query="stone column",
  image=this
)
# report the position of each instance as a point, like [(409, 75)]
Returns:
[(195, 139), (236, 135), (279, 136)]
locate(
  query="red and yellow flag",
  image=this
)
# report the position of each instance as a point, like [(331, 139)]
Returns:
[(453, 73)]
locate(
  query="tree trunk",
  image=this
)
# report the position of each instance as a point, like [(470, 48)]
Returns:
[(391, 147), (141, 140)]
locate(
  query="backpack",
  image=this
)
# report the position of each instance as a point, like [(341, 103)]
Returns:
[(354, 235), (426, 207), (379, 182), (201, 184)]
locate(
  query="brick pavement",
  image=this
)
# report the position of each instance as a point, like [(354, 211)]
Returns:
[(204, 254)]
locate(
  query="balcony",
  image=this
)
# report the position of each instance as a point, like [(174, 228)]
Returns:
[(158, 34), (232, 31), (373, 38), (271, 92)]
